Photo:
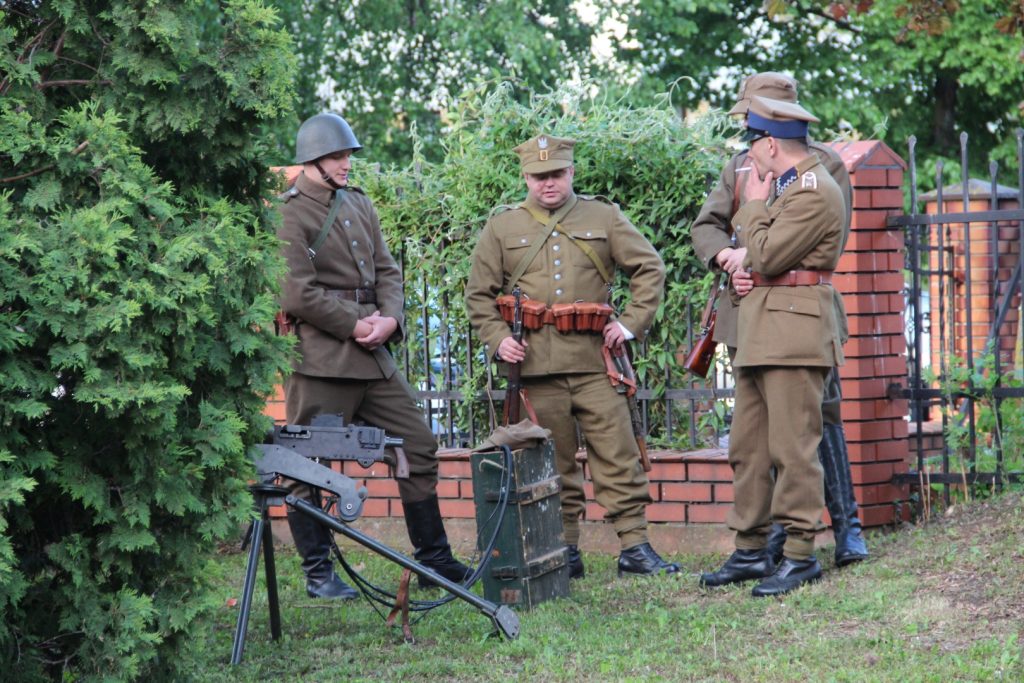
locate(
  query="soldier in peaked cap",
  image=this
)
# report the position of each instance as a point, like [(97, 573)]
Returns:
[(791, 225), (713, 242), (345, 291), (562, 250)]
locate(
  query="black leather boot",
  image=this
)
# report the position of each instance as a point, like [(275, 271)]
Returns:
[(313, 542), (576, 570), (742, 565), (430, 542), (642, 559), (839, 498), (775, 542), (789, 575)]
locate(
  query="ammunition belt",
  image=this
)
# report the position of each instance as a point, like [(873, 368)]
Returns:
[(363, 295), (581, 316), (794, 278)]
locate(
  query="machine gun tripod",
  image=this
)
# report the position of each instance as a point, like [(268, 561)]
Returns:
[(290, 454)]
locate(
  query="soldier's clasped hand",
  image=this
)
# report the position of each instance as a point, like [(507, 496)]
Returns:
[(381, 329)]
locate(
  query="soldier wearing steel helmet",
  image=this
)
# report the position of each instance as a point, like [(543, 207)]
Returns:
[(345, 291), (714, 244), (580, 242)]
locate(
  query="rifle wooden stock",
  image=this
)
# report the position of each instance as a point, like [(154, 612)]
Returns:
[(515, 370), (645, 461), (702, 355)]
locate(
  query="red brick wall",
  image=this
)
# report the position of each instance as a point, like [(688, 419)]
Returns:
[(696, 487)]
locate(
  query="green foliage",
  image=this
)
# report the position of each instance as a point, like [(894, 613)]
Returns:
[(998, 423), (878, 69), (388, 66), (137, 269), (644, 158)]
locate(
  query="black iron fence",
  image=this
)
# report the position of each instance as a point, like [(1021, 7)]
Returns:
[(964, 277), (444, 357)]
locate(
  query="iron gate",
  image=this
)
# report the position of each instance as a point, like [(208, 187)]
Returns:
[(964, 277)]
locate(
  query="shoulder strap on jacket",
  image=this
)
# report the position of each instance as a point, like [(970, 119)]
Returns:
[(339, 198), (539, 241)]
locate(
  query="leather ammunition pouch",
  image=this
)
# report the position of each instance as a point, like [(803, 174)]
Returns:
[(582, 316)]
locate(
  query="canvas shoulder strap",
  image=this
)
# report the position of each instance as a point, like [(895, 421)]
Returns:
[(584, 247), (339, 199), (538, 242)]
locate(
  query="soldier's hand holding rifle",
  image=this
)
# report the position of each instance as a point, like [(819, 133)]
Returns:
[(516, 349)]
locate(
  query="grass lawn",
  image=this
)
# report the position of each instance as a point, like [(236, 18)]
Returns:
[(939, 602)]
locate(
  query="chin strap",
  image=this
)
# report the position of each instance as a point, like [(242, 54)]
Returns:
[(326, 178)]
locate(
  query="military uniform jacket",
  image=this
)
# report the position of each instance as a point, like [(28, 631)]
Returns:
[(800, 229), (712, 231), (353, 256), (562, 273)]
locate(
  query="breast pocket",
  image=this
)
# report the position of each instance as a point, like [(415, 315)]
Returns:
[(516, 248), (595, 241), (794, 326)]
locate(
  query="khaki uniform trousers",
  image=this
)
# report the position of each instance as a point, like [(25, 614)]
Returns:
[(777, 423), (620, 483), (831, 404), (387, 404)]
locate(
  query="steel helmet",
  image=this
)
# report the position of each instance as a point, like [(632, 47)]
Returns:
[(321, 135)]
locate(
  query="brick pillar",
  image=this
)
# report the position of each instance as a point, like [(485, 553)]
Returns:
[(869, 276), (988, 263)]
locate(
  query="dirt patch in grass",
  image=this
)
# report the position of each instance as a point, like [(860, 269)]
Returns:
[(973, 554)]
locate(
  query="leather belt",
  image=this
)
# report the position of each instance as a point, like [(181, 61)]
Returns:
[(362, 295), (794, 278)]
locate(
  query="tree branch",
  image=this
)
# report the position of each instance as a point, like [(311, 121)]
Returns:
[(44, 169), (70, 81), (839, 23)]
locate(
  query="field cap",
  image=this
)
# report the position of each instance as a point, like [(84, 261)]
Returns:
[(776, 118), (545, 153), (770, 84)]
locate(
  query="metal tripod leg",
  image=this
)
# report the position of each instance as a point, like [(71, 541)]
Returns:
[(259, 535), (504, 619)]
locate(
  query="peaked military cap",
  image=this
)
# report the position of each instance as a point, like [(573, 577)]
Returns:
[(545, 153), (776, 118), (769, 84)]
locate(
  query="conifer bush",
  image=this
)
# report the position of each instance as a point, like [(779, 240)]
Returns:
[(138, 266)]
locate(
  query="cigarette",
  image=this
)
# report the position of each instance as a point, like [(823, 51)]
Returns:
[(743, 169)]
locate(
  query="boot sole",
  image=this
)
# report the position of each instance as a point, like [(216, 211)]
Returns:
[(850, 559), (806, 582)]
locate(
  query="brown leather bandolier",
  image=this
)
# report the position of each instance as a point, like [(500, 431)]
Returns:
[(794, 278), (581, 316)]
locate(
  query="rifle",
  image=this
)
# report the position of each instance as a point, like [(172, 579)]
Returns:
[(624, 380), (515, 370)]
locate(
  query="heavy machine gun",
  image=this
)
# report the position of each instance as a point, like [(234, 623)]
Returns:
[(292, 452)]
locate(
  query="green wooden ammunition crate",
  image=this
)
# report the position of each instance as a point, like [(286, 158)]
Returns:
[(530, 561)]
